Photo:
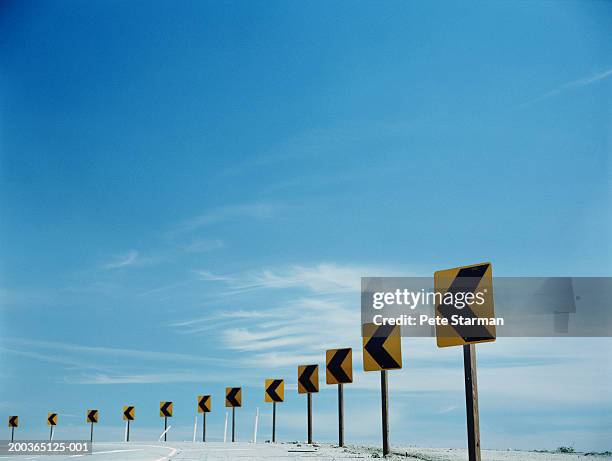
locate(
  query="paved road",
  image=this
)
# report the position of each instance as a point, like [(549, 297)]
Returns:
[(185, 451)]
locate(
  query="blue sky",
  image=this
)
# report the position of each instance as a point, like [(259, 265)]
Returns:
[(190, 193)]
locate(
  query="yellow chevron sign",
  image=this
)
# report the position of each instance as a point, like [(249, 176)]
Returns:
[(382, 347), (308, 379), (274, 390), (233, 397), (204, 403), (13, 421), (129, 413), (464, 301), (52, 419), (339, 366), (92, 416), (165, 409)]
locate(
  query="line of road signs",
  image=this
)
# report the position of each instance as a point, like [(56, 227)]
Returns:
[(382, 351)]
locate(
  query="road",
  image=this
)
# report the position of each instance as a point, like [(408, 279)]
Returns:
[(216, 451)]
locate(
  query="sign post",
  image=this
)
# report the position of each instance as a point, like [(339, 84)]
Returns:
[(204, 406), (274, 392), (455, 284), (128, 415), (165, 410), (308, 383), (13, 422), (92, 418), (339, 370), (382, 351), (233, 399), (51, 421)]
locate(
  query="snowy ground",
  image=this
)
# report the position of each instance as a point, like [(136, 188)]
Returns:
[(185, 451)]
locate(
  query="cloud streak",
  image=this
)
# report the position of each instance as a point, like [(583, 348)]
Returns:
[(581, 82)]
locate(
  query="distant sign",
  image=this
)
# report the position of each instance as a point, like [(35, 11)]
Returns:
[(204, 403), (308, 379), (275, 390), (233, 397), (129, 413), (382, 347), (339, 366)]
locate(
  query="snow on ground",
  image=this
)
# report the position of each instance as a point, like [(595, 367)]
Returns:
[(188, 451)]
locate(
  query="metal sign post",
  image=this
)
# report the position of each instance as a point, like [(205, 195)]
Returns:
[(471, 401)]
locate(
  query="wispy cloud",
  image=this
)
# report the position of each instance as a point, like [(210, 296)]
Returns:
[(228, 213), (128, 259), (581, 82), (323, 278)]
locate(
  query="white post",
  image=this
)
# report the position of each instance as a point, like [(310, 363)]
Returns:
[(125, 435), (225, 430), (255, 428), (195, 427), (164, 433)]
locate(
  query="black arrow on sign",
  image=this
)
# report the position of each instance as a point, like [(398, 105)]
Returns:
[(335, 366), (164, 408), (51, 418), (128, 413), (13, 421), (305, 378), (375, 347), (93, 415), (271, 390), (231, 396), (202, 403), (466, 281)]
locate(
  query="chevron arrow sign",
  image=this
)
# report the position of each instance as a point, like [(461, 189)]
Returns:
[(52, 419), (13, 421), (339, 366), (165, 409), (204, 403), (129, 413), (92, 416), (464, 281), (275, 390), (382, 347), (233, 397), (308, 379)]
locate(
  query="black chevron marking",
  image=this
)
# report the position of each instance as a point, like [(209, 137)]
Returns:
[(128, 413), (467, 280), (13, 421), (231, 396), (93, 416), (52, 418), (305, 379), (271, 390), (375, 348), (165, 409), (335, 366), (204, 402)]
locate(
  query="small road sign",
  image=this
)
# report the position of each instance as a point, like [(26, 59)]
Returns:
[(204, 406), (52, 419), (339, 370), (275, 390), (92, 416), (382, 347), (233, 397), (165, 409), (339, 366), (204, 403), (13, 421), (129, 413), (308, 379)]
